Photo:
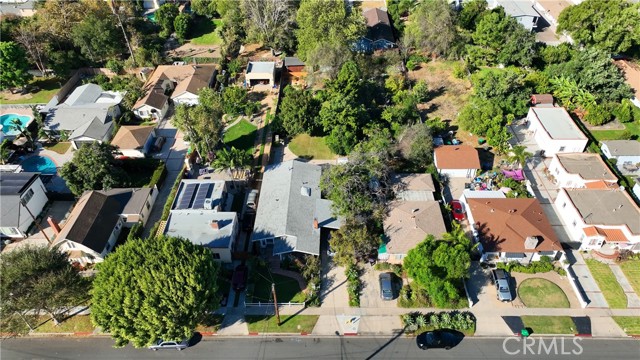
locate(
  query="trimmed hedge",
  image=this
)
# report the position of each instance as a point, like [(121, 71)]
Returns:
[(354, 284), (417, 322)]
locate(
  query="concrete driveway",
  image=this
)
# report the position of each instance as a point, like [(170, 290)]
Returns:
[(370, 294), (483, 293)]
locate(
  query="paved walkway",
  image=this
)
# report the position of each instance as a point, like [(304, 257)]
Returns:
[(588, 283), (633, 301)]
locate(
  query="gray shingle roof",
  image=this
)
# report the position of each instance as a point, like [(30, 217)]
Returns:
[(623, 147), (195, 226), (284, 211), (588, 166), (12, 185), (606, 207)]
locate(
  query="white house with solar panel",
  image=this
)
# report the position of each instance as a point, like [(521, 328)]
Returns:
[(201, 213)]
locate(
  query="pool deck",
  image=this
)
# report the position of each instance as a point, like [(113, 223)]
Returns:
[(20, 110), (57, 184)]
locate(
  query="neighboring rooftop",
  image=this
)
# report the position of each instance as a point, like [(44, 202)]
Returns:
[(457, 157), (203, 227), (558, 123), (606, 207), (199, 194), (623, 147), (261, 67), (181, 75), (413, 187), (517, 7), (202, 76), (588, 166), (378, 24), (505, 224), (410, 222), (12, 185), (132, 137), (292, 61)]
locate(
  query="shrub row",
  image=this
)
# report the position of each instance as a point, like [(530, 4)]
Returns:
[(544, 265), (354, 285), (385, 266), (418, 322)]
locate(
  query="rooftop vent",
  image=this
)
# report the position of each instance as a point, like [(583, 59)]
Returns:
[(214, 225), (531, 242), (305, 191)]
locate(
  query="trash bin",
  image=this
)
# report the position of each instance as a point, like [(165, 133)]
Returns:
[(481, 141), (524, 333)]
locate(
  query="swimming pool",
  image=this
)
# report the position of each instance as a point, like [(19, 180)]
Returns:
[(6, 121), (41, 164)]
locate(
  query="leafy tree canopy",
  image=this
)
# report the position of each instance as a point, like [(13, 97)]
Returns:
[(352, 242), (182, 25), (431, 27), (298, 111), (506, 87), (13, 68), (165, 16), (158, 288), (98, 38), (270, 22), (471, 13), (93, 167), (610, 25)]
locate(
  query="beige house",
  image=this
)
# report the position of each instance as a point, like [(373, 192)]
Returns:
[(260, 72), (413, 215), (134, 141), (580, 170)]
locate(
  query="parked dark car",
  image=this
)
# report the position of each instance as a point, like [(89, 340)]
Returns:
[(500, 278), (170, 345), (439, 339), (239, 280), (457, 209), (386, 286)]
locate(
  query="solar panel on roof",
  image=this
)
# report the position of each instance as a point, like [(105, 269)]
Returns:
[(201, 196), (187, 194)]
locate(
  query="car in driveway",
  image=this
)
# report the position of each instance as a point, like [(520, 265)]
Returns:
[(386, 286), (170, 345), (239, 279), (439, 339), (500, 278), (457, 209)]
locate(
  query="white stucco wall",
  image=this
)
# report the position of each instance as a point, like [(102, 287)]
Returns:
[(553, 146), (186, 98), (458, 173)]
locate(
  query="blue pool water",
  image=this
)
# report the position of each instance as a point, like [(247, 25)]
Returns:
[(6, 121), (41, 164)]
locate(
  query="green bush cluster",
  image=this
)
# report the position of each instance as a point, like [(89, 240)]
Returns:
[(413, 297), (136, 231), (172, 196), (158, 176), (385, 266), (354, 285), (544, 265), (415, 60), (418, 322)]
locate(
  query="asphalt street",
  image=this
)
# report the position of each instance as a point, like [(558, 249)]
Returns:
[(284, 348)]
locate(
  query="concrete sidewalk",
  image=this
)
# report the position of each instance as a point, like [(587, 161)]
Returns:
[(633, 301)]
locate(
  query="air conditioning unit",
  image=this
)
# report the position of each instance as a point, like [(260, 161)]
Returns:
[(208, 204)]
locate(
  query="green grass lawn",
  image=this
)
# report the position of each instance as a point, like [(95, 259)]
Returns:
[(542, 293), (632, 127), (287, 289), (78, 323), (312, 147), (140, 171), (549, 324), (241, 136), (608, 284), (211, 323), (289, 323), (48, 88), (204, 32), (60, 147), (630, 324), (631, 269)]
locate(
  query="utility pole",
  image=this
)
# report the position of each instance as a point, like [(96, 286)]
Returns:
[(113, 8), (275, 301), (24, 203)]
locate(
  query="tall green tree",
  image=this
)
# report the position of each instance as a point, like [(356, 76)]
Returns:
[(352, 242), (298, 111), (519, 155), (158, 288), (431, 27), (234, 100), (203, 126), (98, 38), (471, 13), (610, 25), (13, 67), (326, 22), (165, 16), (182, 25), (505, 87), (39, 279), (270, 21), (235, 161), (93, 167)]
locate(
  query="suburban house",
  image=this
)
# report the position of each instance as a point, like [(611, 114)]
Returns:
[(484, 194), (553, 8), (20, 193), (632, 76), (260, 72), (600, 217), (134, 141), (291, 212), (88, 114), (183, 82), (201, 213), (413, 215), (18, 8), (94, 224), (456, 160), (522, 11), (512, 230), (625, 152), (295, 70), (554, 130), (580, 170), (379, 31), (544, 100)]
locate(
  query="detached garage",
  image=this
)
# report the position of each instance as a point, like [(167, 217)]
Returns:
[(260, 73)]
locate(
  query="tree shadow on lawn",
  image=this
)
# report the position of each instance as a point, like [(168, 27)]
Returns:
[(202, 26)]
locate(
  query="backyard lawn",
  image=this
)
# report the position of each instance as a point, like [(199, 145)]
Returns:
[(60, 147), (48, 88), (289, 323), (78, 323), (311, 147), (549, 324), (204, 32), (542, 293), (608, 284), (287, 289), (632, 127), (631, 269), (630, 324), (241, 136)]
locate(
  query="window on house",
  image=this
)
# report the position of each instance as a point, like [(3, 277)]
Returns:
[(564, 205), (561, 149), (148, 205), (71, 245), (9, 231), (557, 171), (399, 256), (27, 196), (593, 242), (581, 237), (574, 223), (108, 247), (216, 256)]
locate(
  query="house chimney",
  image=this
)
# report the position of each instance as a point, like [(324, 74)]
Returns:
[(531, 242), (315, 223), (54, 225), (214, 225)]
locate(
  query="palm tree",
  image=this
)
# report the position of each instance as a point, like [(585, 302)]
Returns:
[(519, 155), (4, 152), (236, 161), (457, 235), (17, 126)]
